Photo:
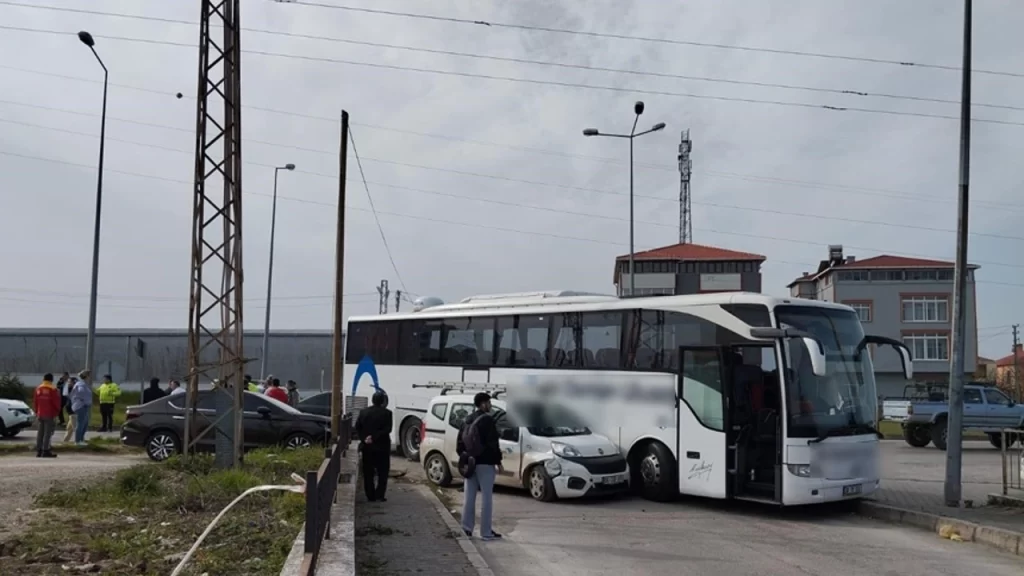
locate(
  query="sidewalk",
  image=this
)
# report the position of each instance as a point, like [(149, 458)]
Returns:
[(406, 535), (927, 496)]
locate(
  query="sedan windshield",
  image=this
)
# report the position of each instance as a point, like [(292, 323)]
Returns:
[(843, 401)]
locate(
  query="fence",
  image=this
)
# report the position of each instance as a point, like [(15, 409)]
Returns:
[(1013, 461), (321, 493)]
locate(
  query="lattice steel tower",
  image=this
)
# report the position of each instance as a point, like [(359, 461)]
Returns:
[(215, 304), (685, 213)]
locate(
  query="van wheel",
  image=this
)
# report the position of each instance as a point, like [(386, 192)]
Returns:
[(437, 470), (917, 435), (940, 431), (410, 439), (656, 473), (539, 484)]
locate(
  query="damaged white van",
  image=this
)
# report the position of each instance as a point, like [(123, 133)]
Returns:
[(550, 462)]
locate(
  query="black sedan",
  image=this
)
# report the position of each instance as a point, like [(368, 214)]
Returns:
[(159, 426), (319, 403)]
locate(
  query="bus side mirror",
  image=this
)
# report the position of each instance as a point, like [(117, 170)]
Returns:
[(906, 360), (816, 355)]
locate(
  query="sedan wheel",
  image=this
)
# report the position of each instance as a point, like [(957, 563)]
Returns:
[(161, 446), (298, 441)]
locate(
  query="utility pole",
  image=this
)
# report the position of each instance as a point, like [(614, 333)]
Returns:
[(398, 299), (1016, 363), (383, 292), (215, 303), (337, 399), (954, 439)]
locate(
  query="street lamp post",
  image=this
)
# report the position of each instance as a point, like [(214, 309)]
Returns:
[(270, 273), (638, 109), (90, 338)]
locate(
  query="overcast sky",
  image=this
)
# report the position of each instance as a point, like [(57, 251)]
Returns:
[(784, 181)]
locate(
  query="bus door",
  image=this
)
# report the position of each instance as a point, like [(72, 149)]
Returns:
[(701, 422), (753, 411)]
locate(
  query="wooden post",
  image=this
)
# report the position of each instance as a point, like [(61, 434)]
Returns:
[(337, 358)]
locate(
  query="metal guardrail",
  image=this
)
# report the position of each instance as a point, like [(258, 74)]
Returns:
[(1013, 460), (321, 494)]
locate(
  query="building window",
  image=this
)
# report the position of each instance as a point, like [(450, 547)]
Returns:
[(928, 346), (926, 309), (945, 275), (863, 310), (852, 275)]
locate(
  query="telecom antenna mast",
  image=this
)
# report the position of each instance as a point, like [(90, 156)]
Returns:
[(685, 213), (215, 353)]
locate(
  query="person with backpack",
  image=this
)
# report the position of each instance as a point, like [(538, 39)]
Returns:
[(373, 427), (479, 463)]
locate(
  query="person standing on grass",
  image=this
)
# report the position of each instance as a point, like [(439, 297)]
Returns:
[(81, 405), (276, 392), (373, 426), (153, 392), (108, 392), (479, 463), (293, 393), (69, 432), (62, 387), (46, 402)]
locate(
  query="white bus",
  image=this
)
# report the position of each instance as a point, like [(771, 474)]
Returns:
[(688, 387)]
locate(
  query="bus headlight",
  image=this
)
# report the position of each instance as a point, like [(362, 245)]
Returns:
[(564, 450), (801, 470), (553, 467)]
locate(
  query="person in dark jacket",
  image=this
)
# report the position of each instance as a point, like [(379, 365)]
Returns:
[(63, 385), (153, 392), (373, 426), (488, 464)]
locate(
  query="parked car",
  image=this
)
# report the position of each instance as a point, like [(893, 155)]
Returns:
[(550, 462), (15, 416), (159, 426), (319, 403), (986, 409)]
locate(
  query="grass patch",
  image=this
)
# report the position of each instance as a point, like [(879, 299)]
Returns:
[(142, 519), (93, 445)]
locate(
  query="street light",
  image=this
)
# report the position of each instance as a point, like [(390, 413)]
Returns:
[(90, 338), (638, 109), (270, 272)]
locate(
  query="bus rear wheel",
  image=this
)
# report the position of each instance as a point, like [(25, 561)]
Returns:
[(409, 442), (654, 473)]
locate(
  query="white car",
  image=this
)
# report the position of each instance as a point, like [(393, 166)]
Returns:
[(15, 416), (550, 462)]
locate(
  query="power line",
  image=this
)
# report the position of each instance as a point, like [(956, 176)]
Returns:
[(580, 189), (163, 298), (182, 305), (441, 221), (376, 219), (608, 35), (563, 65), (750, 177), (577, 85)]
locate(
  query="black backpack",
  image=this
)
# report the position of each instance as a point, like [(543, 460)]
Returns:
[(472, 445)]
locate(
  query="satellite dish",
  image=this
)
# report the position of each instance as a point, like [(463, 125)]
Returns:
[(424, 302)]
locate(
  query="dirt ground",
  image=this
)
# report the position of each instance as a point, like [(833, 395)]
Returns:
[(22, 477)]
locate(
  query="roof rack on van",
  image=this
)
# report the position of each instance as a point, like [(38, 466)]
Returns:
[(446, 387)]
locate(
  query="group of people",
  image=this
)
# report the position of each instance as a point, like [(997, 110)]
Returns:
[(477, 446), (271, 387), (71, 396)]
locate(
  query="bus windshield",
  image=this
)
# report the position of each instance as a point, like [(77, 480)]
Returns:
[(843, 401)]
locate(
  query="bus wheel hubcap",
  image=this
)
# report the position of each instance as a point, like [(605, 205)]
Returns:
[(650, 470)]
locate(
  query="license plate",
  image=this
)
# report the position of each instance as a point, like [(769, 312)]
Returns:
[(619, 479), (851, 490)]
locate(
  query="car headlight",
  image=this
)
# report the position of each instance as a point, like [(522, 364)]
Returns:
[(801, 470), (564, 450), (553, 467)]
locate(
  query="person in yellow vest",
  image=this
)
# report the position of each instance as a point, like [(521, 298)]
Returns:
[(250, 385), (108, 392)]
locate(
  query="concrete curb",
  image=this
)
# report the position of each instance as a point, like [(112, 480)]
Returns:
[(998, 538), (478, 562)]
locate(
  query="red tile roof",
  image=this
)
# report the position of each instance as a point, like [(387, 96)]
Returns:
[(886, 261), (1008, 360), (693, 252)]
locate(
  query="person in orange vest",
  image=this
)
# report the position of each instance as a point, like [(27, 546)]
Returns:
[(47, 404)]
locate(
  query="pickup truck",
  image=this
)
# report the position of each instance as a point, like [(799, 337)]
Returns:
[(924, 414)]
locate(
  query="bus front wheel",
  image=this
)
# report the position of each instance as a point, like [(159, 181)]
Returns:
[(654, 472)]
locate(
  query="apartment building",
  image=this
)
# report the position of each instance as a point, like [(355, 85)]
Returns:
[(689, 269), (910, 299)]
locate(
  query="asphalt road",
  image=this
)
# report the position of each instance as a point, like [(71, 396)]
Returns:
[(626, 536)]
